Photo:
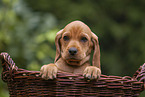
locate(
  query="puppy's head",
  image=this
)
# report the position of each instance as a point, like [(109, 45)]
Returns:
[(75, 42)]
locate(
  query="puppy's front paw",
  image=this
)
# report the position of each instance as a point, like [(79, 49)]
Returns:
[(92, 72), (48, 71)]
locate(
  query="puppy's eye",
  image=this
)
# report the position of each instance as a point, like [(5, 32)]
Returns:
[(65, 38), (84, 39)]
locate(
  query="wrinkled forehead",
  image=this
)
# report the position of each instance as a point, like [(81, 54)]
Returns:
[(77, 27)]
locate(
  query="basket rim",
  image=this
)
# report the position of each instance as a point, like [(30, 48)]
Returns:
[(10, 68)]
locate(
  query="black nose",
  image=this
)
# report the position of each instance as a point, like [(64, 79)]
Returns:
[(72, 51)]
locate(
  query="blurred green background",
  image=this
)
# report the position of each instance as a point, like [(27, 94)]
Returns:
[(28, 29)]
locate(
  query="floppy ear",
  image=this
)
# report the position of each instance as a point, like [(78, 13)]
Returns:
[(57, 44), (96, 55)]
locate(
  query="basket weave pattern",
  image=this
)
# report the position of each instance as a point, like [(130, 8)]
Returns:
[(24, 83)]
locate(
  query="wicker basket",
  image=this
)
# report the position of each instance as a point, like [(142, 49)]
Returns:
[(24, 83)]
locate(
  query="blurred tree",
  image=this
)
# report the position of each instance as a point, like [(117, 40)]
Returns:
[(28, 36), (28, 28)]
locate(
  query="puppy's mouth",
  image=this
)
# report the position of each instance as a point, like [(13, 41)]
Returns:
[(73, 62)]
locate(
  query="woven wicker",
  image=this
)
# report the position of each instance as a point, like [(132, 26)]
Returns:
[(24, 83)]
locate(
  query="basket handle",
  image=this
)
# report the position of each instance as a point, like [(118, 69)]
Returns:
[(8, 65), (140, 75), (7, 62)]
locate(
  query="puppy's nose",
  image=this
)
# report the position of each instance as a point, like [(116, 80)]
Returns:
[(72, 51)]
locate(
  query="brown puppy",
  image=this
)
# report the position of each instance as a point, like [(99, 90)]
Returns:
[(74, 44)]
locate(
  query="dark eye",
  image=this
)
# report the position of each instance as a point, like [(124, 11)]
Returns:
[(84, 39), (65, 38)]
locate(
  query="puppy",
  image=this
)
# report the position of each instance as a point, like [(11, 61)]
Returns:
[(74, 44)]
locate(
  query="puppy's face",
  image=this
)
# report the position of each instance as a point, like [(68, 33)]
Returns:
[(75, 43)]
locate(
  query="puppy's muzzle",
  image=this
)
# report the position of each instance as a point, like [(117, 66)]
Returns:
[(72, 51)]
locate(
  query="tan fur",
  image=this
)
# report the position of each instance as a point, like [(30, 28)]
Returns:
[(78, 63)]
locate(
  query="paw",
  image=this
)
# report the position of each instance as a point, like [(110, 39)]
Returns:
[(48, 71), (92, 72)]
